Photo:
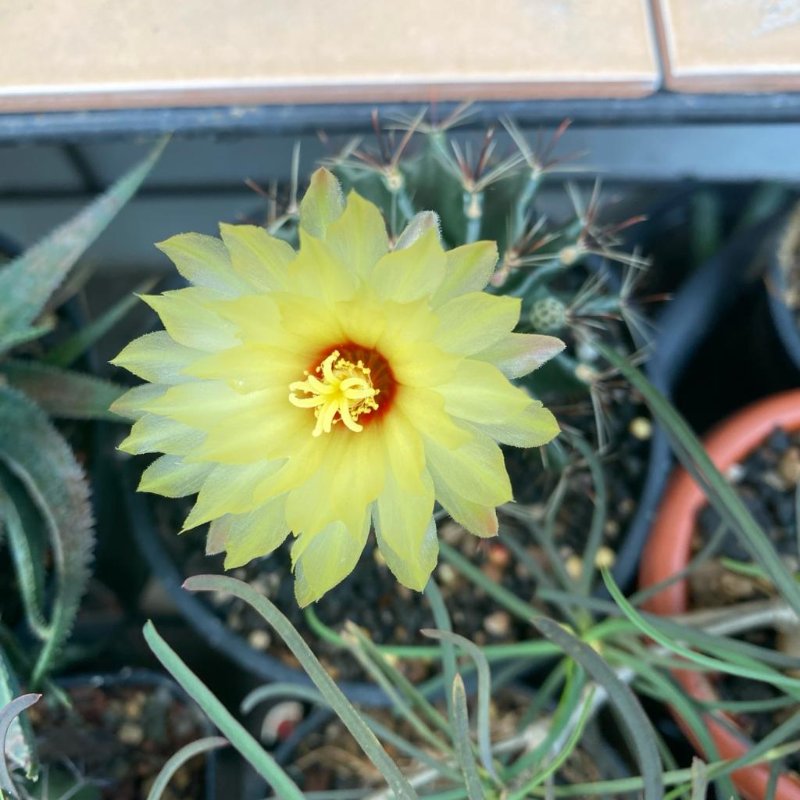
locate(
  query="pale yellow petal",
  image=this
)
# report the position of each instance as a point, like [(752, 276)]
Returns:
[(404, 452), (322, 203), (418, 225), (254, 317), (252, 535), (157, 358), (251, 367), (133, 404), (358, 238), (153, 434), (171, 476), (533, 427), (191, 319), (204, 261), (424, 408), (477, 518), (475, 469), (350, 476), (418, 363), (411, 273), (406, 532), (318, 273), (479, 392), (229, 489), (324, 559), (518, 354), (258, 258), (469, 268), (472, 322)]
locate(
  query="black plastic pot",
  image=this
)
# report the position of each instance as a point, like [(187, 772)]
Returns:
[(131, 678), (681, 329), (783, 318)]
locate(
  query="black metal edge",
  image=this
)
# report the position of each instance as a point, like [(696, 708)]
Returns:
[(663, 107)]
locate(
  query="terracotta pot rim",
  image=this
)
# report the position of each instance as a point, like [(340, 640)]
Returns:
[(668, 550)]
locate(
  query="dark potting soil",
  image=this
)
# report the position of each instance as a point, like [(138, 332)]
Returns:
[(118, 738), (767, 481)]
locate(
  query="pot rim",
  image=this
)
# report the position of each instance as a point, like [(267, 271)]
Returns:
[(668, 551)]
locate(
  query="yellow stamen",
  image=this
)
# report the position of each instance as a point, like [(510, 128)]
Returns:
[(344, 393)]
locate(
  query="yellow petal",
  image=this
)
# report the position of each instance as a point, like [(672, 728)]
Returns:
[(157, 358), (424, 408), (251, 367), (533, 427), (253, 535), (190, 320), (254, 318), (478, 519), (260, 259), (405, 531), (520, 353), (475, 470), (171, 476), (358, 238), (318, 273), (472, 322), (403, 449), (133, 404), (418, 225), (350, 476), (204, 261), (152, 434), (411, 273), (324, 559), (418, 363), (479, 392), (322, 204), (469, 268), (229, 489)]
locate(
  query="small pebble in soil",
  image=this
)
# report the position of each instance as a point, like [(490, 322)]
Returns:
[(641, 428), (259, 639), (574, 566), (498, 624)]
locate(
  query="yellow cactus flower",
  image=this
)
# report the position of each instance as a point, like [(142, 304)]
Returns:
[(327, 391)]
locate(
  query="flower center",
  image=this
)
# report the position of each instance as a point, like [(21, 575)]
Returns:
[(343, 391)]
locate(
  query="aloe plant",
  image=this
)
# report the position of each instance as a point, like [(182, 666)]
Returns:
[(46, 521)]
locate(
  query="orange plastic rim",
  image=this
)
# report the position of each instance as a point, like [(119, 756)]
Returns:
[(668, 551)]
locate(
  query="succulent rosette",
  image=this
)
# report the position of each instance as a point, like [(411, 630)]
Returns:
[(345, 386)]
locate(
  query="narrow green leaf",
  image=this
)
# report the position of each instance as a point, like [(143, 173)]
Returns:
[(62, 393), (8, 713), (699, 779), (233, 730), (76, 345), (27, 282), (442, 619), (463, 743), (640, 734), (483, 722), (186, 753), (563, 753), (720, 494), (37, 455), (332, 693), (20, 744), (745, 668)]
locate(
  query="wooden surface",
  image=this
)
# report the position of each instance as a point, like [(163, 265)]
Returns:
[(730, 45), (75, 54)]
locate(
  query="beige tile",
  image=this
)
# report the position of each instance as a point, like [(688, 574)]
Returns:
[(730, 45), (89, 53)]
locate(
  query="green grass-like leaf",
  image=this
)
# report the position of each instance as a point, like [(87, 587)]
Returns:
[(720, 494), (332, 693), (233, 730), (463, 743), (175, 762), (8, 714), (640, 734)]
